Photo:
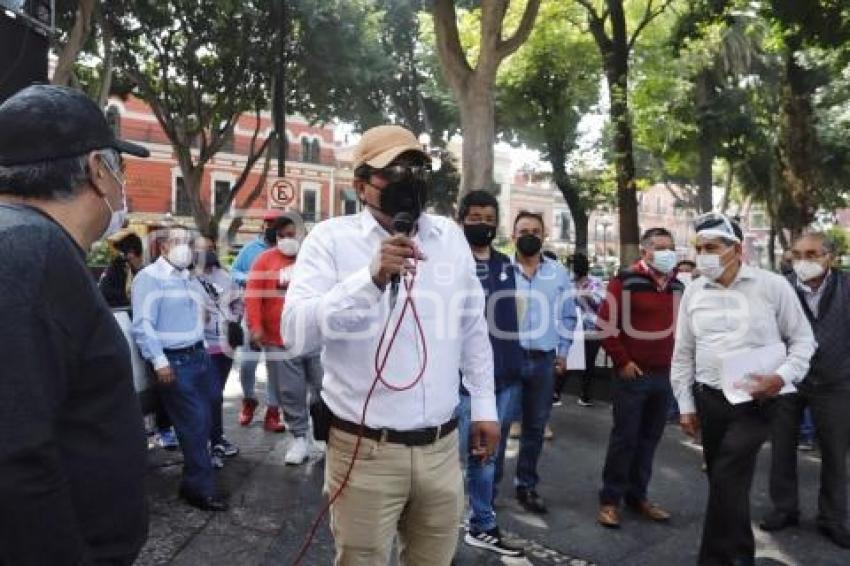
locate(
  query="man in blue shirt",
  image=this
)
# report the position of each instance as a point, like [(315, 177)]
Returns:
[(168, 326), (250, 358), (547, 316), (479, 217)]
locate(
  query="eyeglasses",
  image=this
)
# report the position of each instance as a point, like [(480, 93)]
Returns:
[(808, 255), (395, 173), (113, 163)]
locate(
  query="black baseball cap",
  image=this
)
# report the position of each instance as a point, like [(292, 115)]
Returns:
[(46, 122)]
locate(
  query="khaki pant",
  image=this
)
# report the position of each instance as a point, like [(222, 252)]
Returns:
[(394, 489)]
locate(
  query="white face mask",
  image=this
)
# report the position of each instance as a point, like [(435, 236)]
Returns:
[(180, 256), (117, 217), (808, 270), (288, 246), (685, 278), (664, 261), (710, 266)]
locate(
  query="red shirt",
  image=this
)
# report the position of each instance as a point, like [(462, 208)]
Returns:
[(264, 294), (639, 302)]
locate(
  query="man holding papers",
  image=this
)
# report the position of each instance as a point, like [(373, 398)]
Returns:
[(825, 297), (733, 307)]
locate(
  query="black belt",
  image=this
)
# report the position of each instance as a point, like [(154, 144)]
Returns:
[(418, 437), (535, 354), (703, 388), (187, 350)]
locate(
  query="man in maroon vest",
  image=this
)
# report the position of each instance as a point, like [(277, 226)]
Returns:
[(637, 325)]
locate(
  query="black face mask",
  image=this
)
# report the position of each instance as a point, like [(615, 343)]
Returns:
[(529, 244), (479, 235), (408, 195)]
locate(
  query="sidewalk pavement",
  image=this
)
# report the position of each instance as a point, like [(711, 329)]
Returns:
[(273, 505)]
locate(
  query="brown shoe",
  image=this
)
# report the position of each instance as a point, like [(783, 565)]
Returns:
[(609, 516), (650, 511)]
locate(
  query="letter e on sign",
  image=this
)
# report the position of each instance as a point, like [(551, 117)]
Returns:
[(282, 192)]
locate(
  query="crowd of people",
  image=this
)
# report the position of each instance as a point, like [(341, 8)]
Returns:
[(405, 340)]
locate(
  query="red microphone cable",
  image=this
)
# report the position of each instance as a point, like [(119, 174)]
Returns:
[(380, 364)]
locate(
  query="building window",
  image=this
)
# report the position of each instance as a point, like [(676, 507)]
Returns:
[(316, 151), (309, 205), (349, 201), (305, 150), (563, 221), (113, 118), (221, 190), (181, 206)]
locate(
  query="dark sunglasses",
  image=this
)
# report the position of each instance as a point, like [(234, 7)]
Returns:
[(395, 173)]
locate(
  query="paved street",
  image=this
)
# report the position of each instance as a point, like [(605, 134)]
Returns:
[(273, 505)]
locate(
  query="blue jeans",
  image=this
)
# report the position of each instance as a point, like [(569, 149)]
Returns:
[(221, 364), (248, 361), (640, 414), (538, 386), (482, 478), (188, 401)]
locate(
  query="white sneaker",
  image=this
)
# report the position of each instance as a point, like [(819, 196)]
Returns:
[(297, 453)]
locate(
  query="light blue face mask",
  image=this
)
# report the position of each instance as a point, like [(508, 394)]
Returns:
[(664, 261)]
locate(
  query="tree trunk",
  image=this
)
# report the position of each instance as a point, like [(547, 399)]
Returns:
[(77, 38), (771, 246), (477, 113), (705, 201), (799, 142), (557, 151), (108, 61), (624, 161), (727, 190)]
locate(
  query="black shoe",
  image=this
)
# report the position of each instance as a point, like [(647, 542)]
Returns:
[(529, 499), (836, 534), (777, 521), (209, 503), (492, 540)]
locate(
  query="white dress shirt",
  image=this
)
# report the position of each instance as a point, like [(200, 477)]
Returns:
[(333, 304), (759, 308)]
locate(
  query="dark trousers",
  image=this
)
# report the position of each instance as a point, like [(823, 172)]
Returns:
[(187, 400), (640, 413), (538, 385), (221, 364), (591, 350), (832, 428), (731, 438)]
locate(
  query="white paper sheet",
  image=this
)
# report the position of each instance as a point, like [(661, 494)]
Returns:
[(575, 357), (736, 366)]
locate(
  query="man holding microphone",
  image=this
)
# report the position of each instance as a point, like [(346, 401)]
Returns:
[(417, 337)]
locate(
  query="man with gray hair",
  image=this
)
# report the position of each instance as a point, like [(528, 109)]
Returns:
[(73, 455), (825, 297), (732, 307)]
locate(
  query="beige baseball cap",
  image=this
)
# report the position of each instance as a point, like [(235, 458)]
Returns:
[(380, 145)]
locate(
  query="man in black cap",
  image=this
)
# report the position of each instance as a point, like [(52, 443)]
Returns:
[(73, 455)]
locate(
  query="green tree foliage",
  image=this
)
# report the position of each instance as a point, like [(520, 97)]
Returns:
[(199, 70), (542, 95)]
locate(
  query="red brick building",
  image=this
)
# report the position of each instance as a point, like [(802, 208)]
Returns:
[(319, 185)]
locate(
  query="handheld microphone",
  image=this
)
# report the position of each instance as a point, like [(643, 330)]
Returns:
[(402, 224)]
